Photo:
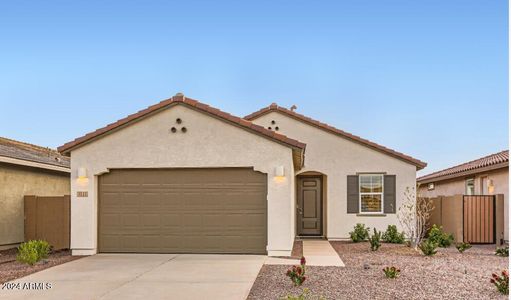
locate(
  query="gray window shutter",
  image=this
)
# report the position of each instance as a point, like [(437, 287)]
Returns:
[(353, 194), (389, 194)]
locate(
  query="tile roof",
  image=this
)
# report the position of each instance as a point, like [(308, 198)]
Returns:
[(33, 153), (274, 107), (500, 159), (180, 99)]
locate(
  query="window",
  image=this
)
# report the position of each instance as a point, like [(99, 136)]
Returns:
[(469, 186), (371, 193)]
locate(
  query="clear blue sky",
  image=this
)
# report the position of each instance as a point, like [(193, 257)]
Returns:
[(427, 78)]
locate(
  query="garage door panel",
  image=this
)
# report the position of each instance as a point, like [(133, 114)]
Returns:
[(183, 211)]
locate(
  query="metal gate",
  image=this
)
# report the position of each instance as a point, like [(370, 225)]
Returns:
[(479, 219)]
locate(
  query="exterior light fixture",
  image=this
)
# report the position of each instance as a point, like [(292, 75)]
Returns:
[(82, 173), (279, 171), (491, 187)]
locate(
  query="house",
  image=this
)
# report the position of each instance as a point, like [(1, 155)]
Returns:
[(183, 177), (488, 175), (27, 169)]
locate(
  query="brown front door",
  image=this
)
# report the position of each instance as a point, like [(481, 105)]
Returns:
[(309, 210)]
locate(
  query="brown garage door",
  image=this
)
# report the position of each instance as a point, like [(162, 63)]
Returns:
[(182, 211)]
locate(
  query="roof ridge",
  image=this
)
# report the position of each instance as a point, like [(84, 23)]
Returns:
[(431, 175), (275, 107)]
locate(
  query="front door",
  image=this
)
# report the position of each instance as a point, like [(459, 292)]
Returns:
[(309, 210)]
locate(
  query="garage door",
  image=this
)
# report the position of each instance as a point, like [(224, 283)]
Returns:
[(183, 211)]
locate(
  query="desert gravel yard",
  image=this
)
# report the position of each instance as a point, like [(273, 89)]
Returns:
[(11, 269), (447, 275)]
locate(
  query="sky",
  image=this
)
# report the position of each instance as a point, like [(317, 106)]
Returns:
[(426, 78)]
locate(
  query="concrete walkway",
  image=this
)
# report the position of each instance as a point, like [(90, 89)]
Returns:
[(146, 276), (321, 253), (316, 253)]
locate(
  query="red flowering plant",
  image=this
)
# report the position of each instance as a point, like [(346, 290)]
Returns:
[(501, 282), (297, 273)]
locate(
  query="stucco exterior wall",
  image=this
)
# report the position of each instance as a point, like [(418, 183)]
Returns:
[(15, 183), (208, 142), (337, 158), (456, 186)]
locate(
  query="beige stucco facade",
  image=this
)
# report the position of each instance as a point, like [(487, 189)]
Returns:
[(456, 186), (337, 157), (208, 142), (16, 182)]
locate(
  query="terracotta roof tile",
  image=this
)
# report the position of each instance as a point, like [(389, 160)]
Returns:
[(29, 152), (274, 107), (487, 161), (181, 100)]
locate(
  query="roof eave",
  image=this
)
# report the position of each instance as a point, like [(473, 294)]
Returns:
[(192, 104), (275, 108), (464, 173)]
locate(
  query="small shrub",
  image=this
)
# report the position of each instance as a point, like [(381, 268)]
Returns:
[(33, 251), (391, 272), (463, 246), (438, 236), (360, 233), (504, 251), (428, 247), (391, 235), (501, 282), (375, 240), (297, 273), (305, 295)]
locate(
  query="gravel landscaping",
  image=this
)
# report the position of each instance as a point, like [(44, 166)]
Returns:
[(447, 275), (11, 269)]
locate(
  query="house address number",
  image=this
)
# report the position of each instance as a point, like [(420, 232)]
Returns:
[(82, 194)]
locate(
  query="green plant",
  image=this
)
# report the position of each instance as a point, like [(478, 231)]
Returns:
[(428, 247), (305, 295), (501, 282), (391, 272), (463, 246), (391, 235), (360, 233), (441, 238), (297, 273), (375, 240), (33, 251), (504, 251)]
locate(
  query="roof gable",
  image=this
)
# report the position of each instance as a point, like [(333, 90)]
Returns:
[(490, 162), (297, 147), (275, 108)]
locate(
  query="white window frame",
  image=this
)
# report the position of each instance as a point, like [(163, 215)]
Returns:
[(372, 193), (473, 186)]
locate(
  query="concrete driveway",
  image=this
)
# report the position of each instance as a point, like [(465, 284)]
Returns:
[(145, 276)]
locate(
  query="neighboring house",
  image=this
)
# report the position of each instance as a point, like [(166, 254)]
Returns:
[(181, 176), (488, 175), (27, 169)]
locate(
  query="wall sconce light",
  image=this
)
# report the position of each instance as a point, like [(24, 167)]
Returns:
[(491, 187), (82, 173), (279, 171)]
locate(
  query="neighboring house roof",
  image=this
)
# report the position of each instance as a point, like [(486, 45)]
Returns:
[(16, 152), (490, 162), (275, 108), (179, 99)]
